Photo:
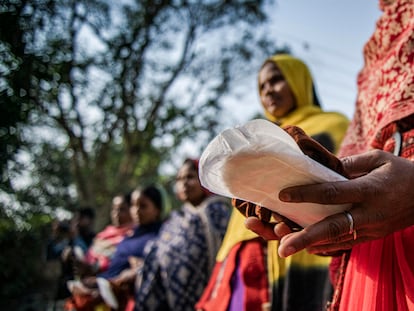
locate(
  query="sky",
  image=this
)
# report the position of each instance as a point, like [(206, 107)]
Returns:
[(328, 35)]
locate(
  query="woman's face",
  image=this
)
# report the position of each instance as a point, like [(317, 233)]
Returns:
[(275, 93), (188, 187), (120, 214), (143, 209)]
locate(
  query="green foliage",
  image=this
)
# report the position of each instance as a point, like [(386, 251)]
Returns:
[(51, 180), (116, 88)]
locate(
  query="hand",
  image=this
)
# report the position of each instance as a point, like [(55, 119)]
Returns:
[(382, 198), (268, 231), (90, 282), (135, 262), (82, 288), (67, 254), (127, 276)]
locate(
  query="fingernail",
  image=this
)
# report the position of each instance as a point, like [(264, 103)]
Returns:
[(290, 250), (284, 196)]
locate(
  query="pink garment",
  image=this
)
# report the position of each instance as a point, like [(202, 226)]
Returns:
[(104, 245)]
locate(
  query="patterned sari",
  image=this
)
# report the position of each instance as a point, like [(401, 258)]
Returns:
[(380, 274), (179, 262)]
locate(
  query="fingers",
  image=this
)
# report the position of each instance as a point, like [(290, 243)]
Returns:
[(268, 231), (341, 192), (265, 230), (351, 191), (281, 229), (285, 224), (332, 230), (326, 193)]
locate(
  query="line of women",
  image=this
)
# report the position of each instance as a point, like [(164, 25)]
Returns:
[(151, 263)]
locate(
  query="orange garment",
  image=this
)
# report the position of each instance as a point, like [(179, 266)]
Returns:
[(123, 293), (249, 257)]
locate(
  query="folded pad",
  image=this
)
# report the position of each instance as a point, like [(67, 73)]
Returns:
[(255, 161)]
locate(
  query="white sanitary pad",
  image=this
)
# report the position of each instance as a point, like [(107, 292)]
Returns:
[(255, 161)]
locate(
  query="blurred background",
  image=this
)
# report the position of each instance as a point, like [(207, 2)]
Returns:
[(98, 97)]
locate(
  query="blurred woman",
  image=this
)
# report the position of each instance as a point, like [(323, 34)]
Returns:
[(104, 245), (180, 261), (146, 209), (78, 261)]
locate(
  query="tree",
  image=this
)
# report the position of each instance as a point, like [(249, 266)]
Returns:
[(14, 99), (96, 94), (116, 87)]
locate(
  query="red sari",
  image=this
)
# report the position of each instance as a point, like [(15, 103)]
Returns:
[(380, 274)]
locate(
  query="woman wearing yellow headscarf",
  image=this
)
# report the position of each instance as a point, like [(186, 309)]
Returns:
[(249, 274)]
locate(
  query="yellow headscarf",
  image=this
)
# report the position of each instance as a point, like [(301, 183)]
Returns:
[(307, 114), (299, 79)]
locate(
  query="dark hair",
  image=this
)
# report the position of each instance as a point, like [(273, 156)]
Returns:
[(193, 163), (88, 212), (63, 226), (127, 198), (154, 194)]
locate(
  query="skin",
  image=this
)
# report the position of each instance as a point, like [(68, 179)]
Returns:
[(274, 91), (143, 210), (120, 214), (188, 186), (382, 203)]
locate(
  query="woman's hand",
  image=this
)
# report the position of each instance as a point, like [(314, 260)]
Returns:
[(382, 195), (268, 231), (85, 287)]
